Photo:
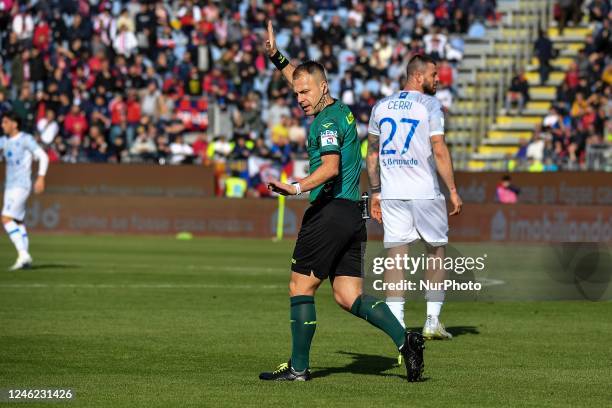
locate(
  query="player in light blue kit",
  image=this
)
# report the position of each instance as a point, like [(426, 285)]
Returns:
[(18, 149), (406, 153)]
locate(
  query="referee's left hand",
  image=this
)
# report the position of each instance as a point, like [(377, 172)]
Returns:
[(281, 188)]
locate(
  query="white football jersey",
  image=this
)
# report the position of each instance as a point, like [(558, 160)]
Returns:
[(18, 153), (405, 121)]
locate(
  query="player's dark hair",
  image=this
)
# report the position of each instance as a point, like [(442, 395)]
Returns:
[(418, 63), (12, 115), (309, 67)]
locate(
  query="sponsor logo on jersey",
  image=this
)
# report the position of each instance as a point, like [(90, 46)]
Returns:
[(390, 162), (329, 138), (350, 118), (327, 125)]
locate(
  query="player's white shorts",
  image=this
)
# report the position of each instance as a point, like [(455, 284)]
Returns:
[(15, 203), (405, 221)]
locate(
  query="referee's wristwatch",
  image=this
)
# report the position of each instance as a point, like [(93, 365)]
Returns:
[(298, 188)]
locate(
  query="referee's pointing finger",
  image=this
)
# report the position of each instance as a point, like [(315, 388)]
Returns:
[(270, 30)]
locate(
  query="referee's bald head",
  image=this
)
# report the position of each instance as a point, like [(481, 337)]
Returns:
[(312, 68)]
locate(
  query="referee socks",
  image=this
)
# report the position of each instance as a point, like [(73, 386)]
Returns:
[(303, 326), (377, 313)]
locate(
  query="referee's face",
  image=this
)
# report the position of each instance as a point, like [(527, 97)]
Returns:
[(309, 93)]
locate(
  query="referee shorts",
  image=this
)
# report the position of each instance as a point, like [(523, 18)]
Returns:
[(331, 241)]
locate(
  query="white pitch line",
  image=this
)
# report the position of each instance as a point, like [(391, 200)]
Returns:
[(490, 282), (119, 267), (131, 286)]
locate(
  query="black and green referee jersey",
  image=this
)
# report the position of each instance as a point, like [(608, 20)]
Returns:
[(333, 131)]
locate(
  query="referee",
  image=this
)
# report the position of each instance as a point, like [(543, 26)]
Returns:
[(331, 241)]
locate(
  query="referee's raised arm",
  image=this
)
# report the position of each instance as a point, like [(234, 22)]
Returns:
[(279, 60)]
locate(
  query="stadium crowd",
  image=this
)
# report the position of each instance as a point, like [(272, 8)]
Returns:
[(179, 81), (578, 121)]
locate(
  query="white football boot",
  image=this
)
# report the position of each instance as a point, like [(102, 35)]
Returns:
[(24, 261), (434, 330)]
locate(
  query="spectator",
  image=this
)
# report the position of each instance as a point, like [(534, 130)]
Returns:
[(75, 123), (572, 77), (579, 106), (319, 35), (482, 10), (445, 96), (347, 89), (425, 18), (97, 148), (23, 25), (180, 152), (506, 192), (298, 46), (278, 87), (535, 150), (200, 147), (221, 119), (240, 151), (24, 107), (335, 32), (544, 50), (599, 10), (47, 127), (329, 60), (277, 111), (435, 45), (125, 42), (117, 151), (143, 148), (247, 73), (521, 154), (353, 41), (280, 131), (297, 138), (445, 74), (569, 9), (518, 92), (384, 51), (252, 117), (220, 149)]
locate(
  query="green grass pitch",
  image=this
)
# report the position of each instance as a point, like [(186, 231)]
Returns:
[(156, 322)]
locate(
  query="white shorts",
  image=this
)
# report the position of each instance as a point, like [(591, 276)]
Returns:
[(15, 203), (405, 221)]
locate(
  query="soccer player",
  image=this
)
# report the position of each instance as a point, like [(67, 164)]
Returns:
[(18, 150), (405, 192), (332, 238)]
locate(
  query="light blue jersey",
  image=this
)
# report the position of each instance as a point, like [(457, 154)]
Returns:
[(405, 122), (18, 153)]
